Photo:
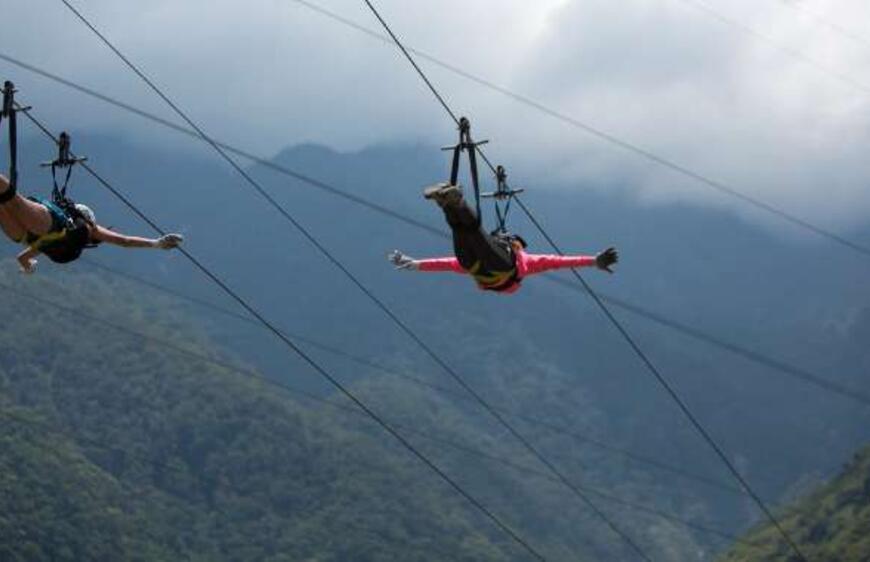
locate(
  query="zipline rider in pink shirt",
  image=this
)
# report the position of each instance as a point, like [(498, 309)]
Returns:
[(498, 262)]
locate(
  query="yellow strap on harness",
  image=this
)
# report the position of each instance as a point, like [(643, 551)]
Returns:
[(491, 279), (48, 238)]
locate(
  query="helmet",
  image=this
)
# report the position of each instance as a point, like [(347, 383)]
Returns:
[(509, 237), (87, 213), (518, 239)]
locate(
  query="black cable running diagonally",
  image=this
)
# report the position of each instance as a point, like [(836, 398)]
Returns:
[(116, 328), (695, 333), (611, 138), (308, 359), (624, 333), (429, 351), (577, 492), (669, 389)]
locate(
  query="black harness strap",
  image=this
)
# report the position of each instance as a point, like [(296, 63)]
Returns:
[(503, 196), (8, 111), (78, 231), (64, 160), (465, 143)]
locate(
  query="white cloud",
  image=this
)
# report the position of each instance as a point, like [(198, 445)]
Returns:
[(658, 73), (668, 77)]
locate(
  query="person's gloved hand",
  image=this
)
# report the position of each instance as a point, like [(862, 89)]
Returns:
[(402, 262), (169, 241), (607, 258)]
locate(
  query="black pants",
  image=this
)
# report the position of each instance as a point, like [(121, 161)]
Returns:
[(473, 246)]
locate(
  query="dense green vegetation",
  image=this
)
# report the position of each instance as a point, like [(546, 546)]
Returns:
[(831, 524), (116, 448)]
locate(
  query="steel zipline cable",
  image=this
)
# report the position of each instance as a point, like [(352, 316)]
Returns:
[(632, 308), (308, 359), (663, 382), (380, 304)]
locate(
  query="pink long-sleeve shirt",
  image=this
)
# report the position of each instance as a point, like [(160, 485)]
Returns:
[(526, 264)]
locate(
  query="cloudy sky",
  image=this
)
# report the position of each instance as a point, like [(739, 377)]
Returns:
[(775, 103)]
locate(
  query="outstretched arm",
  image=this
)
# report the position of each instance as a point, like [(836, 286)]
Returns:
[(404, 262), (166, 242), (539, 263)]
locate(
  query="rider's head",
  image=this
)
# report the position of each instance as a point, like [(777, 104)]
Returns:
[(517, 242)]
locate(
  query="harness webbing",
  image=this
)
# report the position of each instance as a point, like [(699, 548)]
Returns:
[(63, 160), (503, 196), (465, 143), (8, 111)]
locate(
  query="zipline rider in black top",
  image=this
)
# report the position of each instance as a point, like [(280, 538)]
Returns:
[(57, 227), (45, 228)]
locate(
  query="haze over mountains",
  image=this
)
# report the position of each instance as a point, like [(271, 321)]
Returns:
[(545, 353)]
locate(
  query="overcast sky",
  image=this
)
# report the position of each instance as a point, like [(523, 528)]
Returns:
[(661, 74)]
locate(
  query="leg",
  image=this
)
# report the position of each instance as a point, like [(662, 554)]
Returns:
[(472, 245), (10, 225), (31, 216), (476, 247), (460, 215)]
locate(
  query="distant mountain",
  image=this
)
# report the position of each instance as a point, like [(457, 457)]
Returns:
[(547, 353), (831, 524)]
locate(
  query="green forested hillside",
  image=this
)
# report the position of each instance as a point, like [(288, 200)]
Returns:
[(117, 448), (832, 525), (125, 436)]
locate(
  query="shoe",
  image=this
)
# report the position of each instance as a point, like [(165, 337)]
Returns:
[(444, 193), (432, 191)]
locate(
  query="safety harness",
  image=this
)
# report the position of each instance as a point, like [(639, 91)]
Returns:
[(502, 197), (78, 229)]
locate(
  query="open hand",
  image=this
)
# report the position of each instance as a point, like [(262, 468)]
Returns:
[(169, 241), (401, 261), (606, 259)]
